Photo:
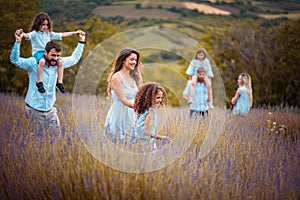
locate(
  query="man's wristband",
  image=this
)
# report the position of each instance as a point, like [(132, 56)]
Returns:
[(82, 42)]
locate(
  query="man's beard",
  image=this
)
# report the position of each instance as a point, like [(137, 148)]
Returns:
[(51, 62), (201, 80)]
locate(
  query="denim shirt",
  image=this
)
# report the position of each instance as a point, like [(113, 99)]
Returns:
[(42, 101)]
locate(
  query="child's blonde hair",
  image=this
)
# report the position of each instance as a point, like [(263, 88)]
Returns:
[(246, 78)]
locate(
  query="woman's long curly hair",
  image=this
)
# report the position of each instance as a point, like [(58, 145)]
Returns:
[(38, 21), (145, 97), (118, 65)]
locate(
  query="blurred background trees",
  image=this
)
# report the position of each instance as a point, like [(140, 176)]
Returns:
[(13, 79)]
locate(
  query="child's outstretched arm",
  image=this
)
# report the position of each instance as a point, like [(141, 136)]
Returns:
[(147, 128), (69, 34), (22, 34), (163, 137)]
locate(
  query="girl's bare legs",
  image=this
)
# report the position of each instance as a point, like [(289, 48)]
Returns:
[(39, 83), (209, 91), (60, 73), (192, 91)]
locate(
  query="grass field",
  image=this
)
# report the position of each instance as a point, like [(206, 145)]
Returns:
[(253, 158)]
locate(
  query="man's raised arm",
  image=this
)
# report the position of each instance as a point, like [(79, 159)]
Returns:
[(76, 55), (24, 63)]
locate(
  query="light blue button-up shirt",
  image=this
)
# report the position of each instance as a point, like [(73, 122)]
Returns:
[(40, 39), (42, 101), (195, 64), (200, 96)]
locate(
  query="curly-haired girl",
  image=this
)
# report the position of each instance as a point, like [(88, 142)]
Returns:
[(149, 98)]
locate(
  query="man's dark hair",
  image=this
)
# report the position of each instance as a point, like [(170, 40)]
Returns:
[(52, 45)]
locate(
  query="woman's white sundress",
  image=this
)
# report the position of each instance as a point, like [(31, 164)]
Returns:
[(120, 119)]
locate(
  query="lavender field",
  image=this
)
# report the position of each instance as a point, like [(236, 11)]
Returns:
[(253, 158)]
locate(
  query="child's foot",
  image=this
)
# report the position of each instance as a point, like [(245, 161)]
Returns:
[(40, 87), (60, 87), (210, 105)]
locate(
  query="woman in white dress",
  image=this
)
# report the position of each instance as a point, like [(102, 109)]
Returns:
[(123, 83)]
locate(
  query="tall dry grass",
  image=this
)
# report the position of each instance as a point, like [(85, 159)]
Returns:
[(249, 161)]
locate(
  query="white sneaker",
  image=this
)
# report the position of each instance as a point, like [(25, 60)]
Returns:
[(210, 105)]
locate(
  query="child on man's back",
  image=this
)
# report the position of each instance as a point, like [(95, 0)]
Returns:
[(41, 33)]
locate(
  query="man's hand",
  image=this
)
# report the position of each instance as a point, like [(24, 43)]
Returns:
[(81, 35)]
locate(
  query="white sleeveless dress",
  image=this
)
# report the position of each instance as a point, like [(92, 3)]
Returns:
[(120, 119)]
